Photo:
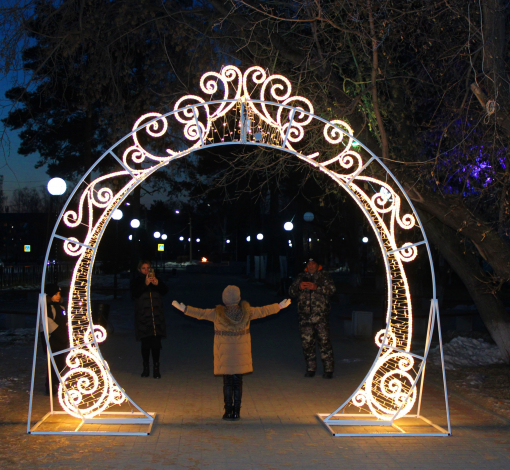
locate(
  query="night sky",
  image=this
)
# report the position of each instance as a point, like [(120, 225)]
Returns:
[(18, 171)]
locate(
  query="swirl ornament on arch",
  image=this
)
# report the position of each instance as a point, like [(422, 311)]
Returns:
[(259, 109)]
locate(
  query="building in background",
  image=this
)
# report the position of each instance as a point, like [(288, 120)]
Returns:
[(18, 230)]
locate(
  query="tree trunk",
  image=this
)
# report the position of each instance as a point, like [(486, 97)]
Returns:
[(465, 264), (452, 212)]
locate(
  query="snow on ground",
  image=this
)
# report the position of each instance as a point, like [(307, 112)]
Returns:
[(26, 287), (466, 352), (173, 264), (19, 335)]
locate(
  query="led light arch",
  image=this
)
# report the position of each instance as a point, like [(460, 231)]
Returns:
[(253, 108)]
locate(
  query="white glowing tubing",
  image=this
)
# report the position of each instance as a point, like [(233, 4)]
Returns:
[(408, 254), (334, 133), (73, 249), (337, 136)]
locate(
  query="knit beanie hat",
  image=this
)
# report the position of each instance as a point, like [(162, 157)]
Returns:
[(51, 289), (231, 295)]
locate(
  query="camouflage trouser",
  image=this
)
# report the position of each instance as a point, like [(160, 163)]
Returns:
[(310, 330)]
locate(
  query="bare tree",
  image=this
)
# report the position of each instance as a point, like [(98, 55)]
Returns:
[(401, 73)]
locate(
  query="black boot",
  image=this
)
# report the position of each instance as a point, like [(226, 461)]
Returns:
[(238, 395), (227, 396), (156, 374), (146, 371)]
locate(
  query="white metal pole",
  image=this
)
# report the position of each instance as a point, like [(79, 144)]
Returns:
[(436, 309), (34, 361), (428, 337)]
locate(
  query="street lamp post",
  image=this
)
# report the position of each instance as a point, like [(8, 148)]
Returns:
[(135, 250), (308, 217), (164, 236), (157, 235), (190, 242), (288, 227), (117, 215), (190, 236), (56, 187)]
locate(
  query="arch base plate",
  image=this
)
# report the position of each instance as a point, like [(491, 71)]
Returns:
[(356, 426), (107, 418)]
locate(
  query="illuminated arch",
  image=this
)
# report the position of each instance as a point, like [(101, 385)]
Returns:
[(253, 109)]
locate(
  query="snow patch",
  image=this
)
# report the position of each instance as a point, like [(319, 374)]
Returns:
[(19, 335), (466, 352)]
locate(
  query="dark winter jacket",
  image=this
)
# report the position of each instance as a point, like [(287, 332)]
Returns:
[(57, 326), (149, 314), (313, 304)]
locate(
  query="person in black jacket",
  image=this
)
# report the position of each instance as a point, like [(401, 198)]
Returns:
[(57, 331), (147, 291)]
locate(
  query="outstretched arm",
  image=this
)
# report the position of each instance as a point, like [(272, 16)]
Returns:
[(179, 306), (261, 312), (284, 303), (198, 313)]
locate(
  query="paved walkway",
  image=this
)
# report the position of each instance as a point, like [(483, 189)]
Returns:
[(278, 427)]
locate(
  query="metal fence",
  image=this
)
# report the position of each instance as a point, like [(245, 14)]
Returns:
[(18, 275)]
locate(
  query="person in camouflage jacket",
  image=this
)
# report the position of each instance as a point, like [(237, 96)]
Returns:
[(313, 288)]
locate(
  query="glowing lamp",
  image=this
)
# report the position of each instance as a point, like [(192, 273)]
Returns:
[(181, 239), (204, 260), (227, 241), (164, 236), (117, 214), (198, 240), (364, 239), (130, 237), (260, 236), (177, 212), (135, 223), (157, 234), (56, 186), (288, 226), (248, 238)]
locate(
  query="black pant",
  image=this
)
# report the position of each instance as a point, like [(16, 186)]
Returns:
[(151, 343), (312, 332), (233, 389)]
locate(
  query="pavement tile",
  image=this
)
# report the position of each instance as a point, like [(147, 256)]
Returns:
[(278, 429)]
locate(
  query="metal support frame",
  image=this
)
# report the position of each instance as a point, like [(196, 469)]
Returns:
[(105, 421), (145, 418), (347, 182), (340, 418)]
